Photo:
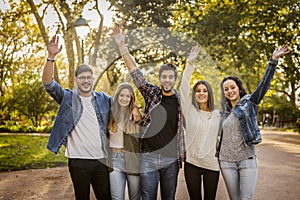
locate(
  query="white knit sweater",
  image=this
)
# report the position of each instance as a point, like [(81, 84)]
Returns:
[(201, 128)]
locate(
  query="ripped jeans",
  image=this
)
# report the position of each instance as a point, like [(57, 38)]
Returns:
[(240, 178)]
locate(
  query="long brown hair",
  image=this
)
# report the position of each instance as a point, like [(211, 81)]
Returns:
[(122, 118), (210, 102)]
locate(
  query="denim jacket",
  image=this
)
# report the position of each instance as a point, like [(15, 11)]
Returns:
[(247, 107), (70, 111)]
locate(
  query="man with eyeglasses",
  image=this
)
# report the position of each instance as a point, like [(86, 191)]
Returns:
[(81, 125)]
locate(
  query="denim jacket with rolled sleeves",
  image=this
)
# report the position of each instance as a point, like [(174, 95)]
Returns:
[(70, 111), (247, 107)]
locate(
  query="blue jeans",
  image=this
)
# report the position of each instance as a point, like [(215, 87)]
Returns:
[(156, 168), (118, 178), (240, 178)]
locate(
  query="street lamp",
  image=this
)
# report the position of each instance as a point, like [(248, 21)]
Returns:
[(82, 29)]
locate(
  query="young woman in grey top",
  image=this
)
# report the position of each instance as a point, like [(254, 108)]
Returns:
[(240, 132)]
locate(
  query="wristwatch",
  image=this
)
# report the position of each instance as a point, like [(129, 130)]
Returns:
[(273, 62), (49, 59)]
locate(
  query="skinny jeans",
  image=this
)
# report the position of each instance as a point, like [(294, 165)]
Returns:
[(195, 175), (118, 178), (240, 178)]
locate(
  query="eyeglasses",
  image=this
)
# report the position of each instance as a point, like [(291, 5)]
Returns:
[(83, 78)]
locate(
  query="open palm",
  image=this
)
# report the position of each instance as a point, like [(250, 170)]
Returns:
[(53, 47), (194, 54), (119, 36), (278, 52)]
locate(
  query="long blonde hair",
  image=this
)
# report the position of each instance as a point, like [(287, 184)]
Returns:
[(122, 118)]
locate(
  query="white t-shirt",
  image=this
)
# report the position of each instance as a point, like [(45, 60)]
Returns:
[(85, 141)]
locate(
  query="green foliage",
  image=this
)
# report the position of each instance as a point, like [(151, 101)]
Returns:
[(16, 44), (32, 101), (237, 38), (278, 112), (298, 122), (135, 13), (19, 152), (17, 128), (241, 35)]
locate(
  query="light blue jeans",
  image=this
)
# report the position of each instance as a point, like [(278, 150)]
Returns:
[(240, 178), (156, 168), (118, 178)]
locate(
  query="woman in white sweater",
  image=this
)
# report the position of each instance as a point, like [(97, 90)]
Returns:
[(202, 123)]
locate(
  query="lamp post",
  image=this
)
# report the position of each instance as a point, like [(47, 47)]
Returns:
[(82, 29)]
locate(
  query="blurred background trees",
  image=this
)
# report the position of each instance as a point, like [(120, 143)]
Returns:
[(237, 38)]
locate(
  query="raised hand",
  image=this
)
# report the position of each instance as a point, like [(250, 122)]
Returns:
[(119, 36), (193, 54), (53, 48), (278, 52)]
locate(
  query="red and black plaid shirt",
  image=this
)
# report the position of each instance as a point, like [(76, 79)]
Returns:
[(153, 96)]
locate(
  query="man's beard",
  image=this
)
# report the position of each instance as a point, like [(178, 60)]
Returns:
[(167, 91), (80, 88)]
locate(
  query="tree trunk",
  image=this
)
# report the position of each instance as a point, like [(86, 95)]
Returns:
[(43, 32)]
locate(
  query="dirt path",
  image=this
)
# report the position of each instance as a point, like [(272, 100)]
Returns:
[(278, 178)]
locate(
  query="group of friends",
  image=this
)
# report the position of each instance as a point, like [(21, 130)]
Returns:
[(110, 144)]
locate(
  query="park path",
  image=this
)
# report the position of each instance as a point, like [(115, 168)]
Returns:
[(278, 177)]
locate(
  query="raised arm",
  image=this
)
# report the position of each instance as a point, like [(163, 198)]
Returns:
[(185, 81), (264, 84), (185, 85), (53, 50), (119, 37)]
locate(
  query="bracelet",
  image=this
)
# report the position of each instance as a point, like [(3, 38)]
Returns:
[(49, 59)]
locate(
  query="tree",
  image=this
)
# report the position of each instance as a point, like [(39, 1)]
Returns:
[(16, 46), (31, 101), (133, 14), (67, 13), (241, 35), (15, 43)]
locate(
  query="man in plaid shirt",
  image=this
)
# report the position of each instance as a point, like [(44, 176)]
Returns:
[(162, 137)]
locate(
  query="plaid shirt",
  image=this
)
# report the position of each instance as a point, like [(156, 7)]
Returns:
[(153, 96)]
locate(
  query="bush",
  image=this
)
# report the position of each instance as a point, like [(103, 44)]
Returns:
[(24, 129)]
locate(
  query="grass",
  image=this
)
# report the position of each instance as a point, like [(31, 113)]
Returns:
[(19, 152)]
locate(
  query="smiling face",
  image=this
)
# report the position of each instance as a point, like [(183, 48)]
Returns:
[(231, 91), (201, 94), (84, 82), (124, 98), (167, 80)]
